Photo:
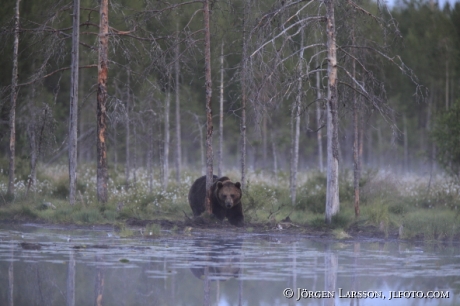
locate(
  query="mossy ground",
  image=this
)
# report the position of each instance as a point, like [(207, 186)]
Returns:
[(392, 206)]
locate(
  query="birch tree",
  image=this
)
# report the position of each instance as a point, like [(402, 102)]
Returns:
[(14, 96), (295, 123), (221, 113), (73, 118), (332, 188)]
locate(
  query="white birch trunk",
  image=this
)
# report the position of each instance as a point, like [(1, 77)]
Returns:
[(221, 113), (295, 121), (332, 189)]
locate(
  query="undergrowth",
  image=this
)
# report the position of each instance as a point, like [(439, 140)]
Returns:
[(410, 205)]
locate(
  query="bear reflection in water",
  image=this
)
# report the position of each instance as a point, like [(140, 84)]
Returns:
[(216, 259)]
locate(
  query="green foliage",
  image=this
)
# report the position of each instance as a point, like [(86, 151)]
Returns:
[(446, 135), (431, 225)]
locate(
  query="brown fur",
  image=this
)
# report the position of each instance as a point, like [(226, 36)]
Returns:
[(225, 199)]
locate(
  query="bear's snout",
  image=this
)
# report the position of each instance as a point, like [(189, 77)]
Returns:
[(228, 205)]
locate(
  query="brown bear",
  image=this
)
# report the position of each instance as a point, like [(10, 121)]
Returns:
[(225, 199)]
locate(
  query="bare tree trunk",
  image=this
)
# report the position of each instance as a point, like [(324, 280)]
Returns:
[(73, 120), (14, 96), (208, 86), (356, 156), (150, 153), (128, 130), (101, 102), (221, 113), (32, 135), (447, 85), (295, 130), (178, 127), (167, 136), (275, 160), (319, 133), (244, 96), (332, 192), (264, 141), (135, 156), (406, 145)]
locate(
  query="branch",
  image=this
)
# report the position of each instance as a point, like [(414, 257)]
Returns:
[(54, 72), (319, 18)]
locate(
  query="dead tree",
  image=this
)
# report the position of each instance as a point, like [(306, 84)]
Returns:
[(178, 156), (332, 188), (14, 97), (102, 175), (243, 80), (295, 124), (167, 136), (208, 89), (73, 118), (221, 113)]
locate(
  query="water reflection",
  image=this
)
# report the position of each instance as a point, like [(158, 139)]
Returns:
[(216, 260), (94, 269)]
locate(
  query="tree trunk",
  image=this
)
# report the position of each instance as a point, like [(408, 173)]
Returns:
[(32, 135), (332, 192), (178, 128), (135, 156), (221, 113), (295, 130), (356, 156), (14, 96), (167, 136), (150, 152), (101, 102), (128, 130), (243, 81), (319, 133), (447, 85), (73, 120), (275, 159), (208, 88)]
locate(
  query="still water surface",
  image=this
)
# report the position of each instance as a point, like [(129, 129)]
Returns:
[(61, 266)]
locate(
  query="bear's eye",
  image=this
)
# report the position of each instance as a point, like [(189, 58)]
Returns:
[(233, 196)]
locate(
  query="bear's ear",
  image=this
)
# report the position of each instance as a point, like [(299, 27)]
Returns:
[(219, 184), (238, 185)]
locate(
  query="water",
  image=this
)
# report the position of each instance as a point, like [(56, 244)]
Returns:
[(59, 266)]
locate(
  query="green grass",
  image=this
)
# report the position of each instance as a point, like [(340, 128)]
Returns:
[(388, 202)]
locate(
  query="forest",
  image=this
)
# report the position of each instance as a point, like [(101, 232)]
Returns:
[(99, 99)]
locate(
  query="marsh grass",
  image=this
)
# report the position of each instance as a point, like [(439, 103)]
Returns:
[(388, 202)]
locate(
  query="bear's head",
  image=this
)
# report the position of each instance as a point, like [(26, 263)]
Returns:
[(228, 193)]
